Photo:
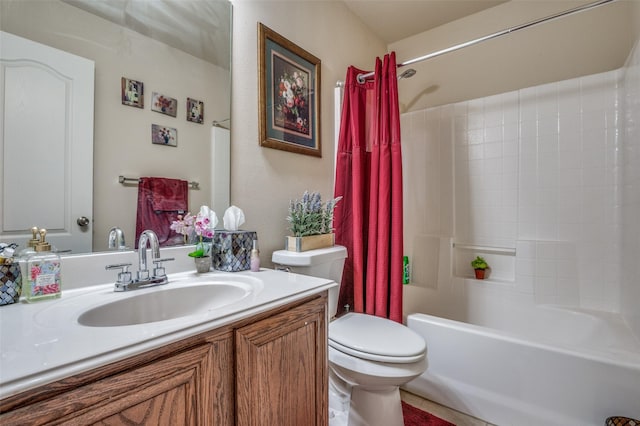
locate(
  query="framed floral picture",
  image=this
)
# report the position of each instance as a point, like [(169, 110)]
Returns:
[(132, 92), (195, 110), (164, 104), (289, 95), (163, 135)]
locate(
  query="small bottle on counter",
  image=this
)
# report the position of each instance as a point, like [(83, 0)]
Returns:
[(43, 273), (255, 257)]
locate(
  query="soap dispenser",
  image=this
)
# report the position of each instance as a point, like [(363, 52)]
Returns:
[(43, 275), (255, 257)]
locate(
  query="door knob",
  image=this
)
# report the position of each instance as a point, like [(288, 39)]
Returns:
[(82, 221)]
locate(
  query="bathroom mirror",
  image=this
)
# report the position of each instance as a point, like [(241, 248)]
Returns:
[(177, 49)]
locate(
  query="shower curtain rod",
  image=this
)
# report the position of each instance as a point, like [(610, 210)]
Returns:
[(363, 77)]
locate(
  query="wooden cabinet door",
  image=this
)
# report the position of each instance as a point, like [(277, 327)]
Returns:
[(193, 387), (281, 368)]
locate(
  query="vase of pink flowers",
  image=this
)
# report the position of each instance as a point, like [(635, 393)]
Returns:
[(202, 225)]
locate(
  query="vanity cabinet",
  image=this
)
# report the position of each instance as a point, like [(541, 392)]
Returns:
[(267, 369)]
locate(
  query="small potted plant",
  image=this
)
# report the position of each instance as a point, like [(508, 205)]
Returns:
[(479, 265), (311, 222)]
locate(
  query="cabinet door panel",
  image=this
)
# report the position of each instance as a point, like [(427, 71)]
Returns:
[(282, 368), (167, 404), (193, 387)]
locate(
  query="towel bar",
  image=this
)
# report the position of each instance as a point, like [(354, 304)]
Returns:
[(125, 180)]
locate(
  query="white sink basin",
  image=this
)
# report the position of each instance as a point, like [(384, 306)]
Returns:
[(164, 304), (186, 295)]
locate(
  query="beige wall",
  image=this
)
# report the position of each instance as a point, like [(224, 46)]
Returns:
[(593, 41), (122, 135), (263, 180), (635, 14)]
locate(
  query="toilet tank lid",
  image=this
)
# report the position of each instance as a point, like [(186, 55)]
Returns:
[(310, 257)]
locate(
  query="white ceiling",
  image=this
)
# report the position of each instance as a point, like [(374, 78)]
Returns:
[(394, 20), (201, 28)]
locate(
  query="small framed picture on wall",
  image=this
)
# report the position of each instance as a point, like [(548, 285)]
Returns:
[(132, 92), (195, 110), (164, 104), (163, 135)]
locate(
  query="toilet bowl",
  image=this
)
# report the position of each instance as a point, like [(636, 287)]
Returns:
[(369, 357)]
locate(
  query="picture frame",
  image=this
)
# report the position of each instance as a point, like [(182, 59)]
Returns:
[(164, 135), (132, 92), (195, 110), (164, 104), (288, 96)]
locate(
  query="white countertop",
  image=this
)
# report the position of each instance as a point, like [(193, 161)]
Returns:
[(43, 342)]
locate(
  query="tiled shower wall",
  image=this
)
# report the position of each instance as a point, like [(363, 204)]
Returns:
[(630, 194), (539, 172)]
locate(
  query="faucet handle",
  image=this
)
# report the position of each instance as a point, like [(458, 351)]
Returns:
[(124, 276), (159, 271)]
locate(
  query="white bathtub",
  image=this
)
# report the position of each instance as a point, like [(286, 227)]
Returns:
[(543, 366)]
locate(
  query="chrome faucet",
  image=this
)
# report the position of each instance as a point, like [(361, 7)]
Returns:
[(116, 239), (144, 279), (150, 237)]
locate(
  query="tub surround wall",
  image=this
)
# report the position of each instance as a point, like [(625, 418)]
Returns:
[(630, 189), (544, 183), (546, 174)]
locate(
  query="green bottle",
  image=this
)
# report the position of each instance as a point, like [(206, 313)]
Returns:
[(406, 272)]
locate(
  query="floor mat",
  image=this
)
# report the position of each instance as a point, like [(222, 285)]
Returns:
[(416, 417)]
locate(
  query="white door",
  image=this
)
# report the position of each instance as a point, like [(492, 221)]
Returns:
[(46, 143)]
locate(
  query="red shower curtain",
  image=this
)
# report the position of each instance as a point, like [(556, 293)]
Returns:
[(368, 221)]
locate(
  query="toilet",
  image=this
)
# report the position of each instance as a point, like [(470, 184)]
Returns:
[(369, 357)]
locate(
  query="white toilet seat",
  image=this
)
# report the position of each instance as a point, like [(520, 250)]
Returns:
[(359, 371), (374, 357), (376, 339)]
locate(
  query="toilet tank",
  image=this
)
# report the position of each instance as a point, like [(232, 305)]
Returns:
[(322, 263)]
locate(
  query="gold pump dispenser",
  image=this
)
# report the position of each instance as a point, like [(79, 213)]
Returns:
[(42, 245)]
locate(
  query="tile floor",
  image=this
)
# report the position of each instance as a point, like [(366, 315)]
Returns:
[(453, 416)]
